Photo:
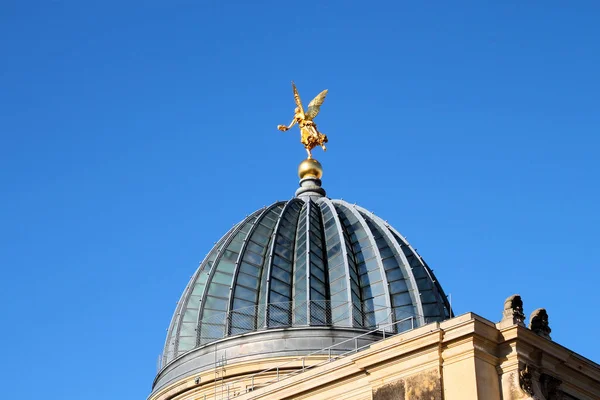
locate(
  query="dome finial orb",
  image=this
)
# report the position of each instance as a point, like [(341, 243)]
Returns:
[(310, 168)]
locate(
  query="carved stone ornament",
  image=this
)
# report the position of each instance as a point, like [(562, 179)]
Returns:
[(513, 310), (540, 386), (550, 387), (526, 380), (538, 323)]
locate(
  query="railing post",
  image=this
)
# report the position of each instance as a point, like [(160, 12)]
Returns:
[(383, 333), (412, 323), (355, 345), (252, 384)]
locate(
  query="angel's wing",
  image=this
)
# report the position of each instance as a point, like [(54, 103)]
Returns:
[(297, 98), (315, 105)]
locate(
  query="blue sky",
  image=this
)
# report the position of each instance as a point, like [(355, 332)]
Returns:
[(133, 136)]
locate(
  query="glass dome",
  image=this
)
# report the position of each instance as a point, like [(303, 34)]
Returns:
[(309, 261)]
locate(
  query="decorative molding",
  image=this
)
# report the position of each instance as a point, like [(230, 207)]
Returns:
[(526, 379)]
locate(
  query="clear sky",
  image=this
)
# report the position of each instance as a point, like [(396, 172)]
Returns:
[(133, 136)]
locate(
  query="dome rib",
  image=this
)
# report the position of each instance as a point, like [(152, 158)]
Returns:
[(402, 265), (369, 276), (342, 298), (301, 294), (353, 275)]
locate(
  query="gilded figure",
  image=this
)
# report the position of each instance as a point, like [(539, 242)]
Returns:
[(310, 137)]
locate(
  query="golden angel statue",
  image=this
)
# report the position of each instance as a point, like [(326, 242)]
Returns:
[(310, 137)]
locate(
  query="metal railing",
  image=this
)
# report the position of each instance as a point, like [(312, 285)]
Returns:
[(215, 326), (384, 330), (286, 314)]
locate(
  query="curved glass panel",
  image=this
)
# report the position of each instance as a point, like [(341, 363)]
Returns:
[(211, 323), (399, 286), (319, 293), (299, 283), (183, 331), (253, 262), (427, 292), (372, 291)]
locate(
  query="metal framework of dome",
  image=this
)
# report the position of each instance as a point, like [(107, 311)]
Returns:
[(309, 261)]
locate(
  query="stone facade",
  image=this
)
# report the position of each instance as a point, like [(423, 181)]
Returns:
[(466, 357)]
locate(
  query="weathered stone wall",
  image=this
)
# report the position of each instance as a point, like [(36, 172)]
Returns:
[(423, 386)]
